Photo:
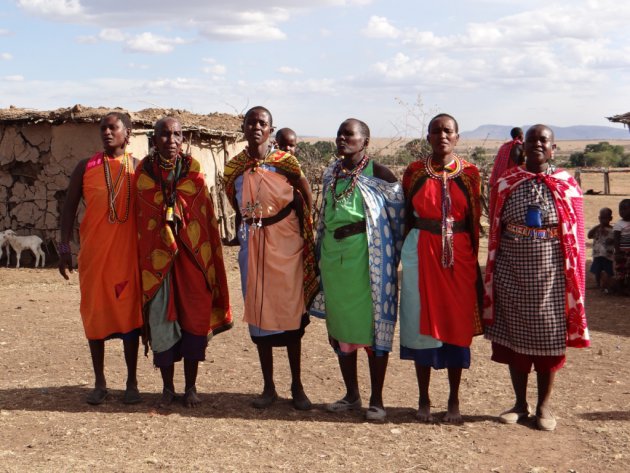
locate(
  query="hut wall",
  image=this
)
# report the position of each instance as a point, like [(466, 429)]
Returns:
[(36, 161)]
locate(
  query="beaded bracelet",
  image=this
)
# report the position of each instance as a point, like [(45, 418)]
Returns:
[(63, 248)]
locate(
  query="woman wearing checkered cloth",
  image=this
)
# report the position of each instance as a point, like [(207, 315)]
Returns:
[(534, 303)]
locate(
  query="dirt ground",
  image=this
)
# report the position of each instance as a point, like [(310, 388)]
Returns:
[(45, 424)]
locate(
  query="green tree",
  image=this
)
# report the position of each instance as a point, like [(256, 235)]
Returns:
[(601, 154)]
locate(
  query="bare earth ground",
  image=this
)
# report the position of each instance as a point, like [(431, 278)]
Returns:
[(45, 424)]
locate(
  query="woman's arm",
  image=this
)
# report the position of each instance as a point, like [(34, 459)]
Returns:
[(68, 214), (305, 189), (383, 173)]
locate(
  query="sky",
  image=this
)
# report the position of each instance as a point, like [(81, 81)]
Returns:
[(390, 63)]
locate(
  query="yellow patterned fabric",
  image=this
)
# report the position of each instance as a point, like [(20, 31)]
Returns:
[(197, 230)]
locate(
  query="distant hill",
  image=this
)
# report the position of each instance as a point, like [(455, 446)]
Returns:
[(578, 132)]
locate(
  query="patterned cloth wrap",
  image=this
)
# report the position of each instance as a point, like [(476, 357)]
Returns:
[(384, 216), (289, 165), (198, 231), (567, 197), (470, 183), (502, 163)]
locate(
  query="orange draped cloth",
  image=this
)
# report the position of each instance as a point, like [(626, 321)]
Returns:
[(198, 291), (108, 276)]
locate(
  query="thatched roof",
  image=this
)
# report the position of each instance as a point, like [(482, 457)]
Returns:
[(624, 118), (213, 125)]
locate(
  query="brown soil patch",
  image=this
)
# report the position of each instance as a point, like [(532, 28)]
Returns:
[(45, 425)]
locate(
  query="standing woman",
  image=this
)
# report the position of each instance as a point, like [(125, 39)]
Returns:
[(185, 298), (359, 238), (534, 306), (108, 278), (272, 200), (441, 288)]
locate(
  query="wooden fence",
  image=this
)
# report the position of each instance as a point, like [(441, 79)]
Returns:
[(604, 171)]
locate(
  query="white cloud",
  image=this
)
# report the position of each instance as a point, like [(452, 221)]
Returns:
[(13, 78), (289, 70), (325, 33), (548, 47), (4, 32), (6, 56), (217, 69), (149, 43), (380, 27), (87, 39), (237, 20), (54, 8), (142, 67), (111, 34)]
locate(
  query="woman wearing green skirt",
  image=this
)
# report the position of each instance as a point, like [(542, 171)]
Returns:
[(359, 239)]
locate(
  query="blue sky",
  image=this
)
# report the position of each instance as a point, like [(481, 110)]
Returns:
[(315, 63)]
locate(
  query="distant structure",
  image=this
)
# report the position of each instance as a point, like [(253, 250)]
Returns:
[(39, 150), (625, 119)]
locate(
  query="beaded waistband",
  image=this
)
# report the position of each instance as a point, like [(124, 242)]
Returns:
[(521, 231)]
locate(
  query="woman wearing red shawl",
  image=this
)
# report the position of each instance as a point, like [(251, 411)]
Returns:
[(185, 296), (534, 304), (441, 284), (272, 200)]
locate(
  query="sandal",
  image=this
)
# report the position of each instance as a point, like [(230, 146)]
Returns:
[(546, 424), (132, 396), (97, 396), (301, 402), (343, 405), (376, 413), (514, 415)]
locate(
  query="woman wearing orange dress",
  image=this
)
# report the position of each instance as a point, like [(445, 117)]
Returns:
[(110, 285)]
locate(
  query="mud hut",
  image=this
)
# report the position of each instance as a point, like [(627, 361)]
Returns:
[(39, 150)]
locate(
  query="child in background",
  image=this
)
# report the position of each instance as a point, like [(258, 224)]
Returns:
[(286, 139), (603, 249), (621, 235)]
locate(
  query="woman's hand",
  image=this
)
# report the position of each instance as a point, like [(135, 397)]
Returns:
[(65, 263)]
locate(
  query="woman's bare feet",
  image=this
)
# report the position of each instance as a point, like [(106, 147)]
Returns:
[(191, 398), (424, 412), (266, 399), (168, 397), (453, 416)]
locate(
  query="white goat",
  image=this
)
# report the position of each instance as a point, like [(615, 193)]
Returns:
[(3, 242), (21, 243)]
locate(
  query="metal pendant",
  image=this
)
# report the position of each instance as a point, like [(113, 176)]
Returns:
[(169, 213)]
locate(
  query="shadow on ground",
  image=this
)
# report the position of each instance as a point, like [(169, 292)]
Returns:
[(606, 415), (220, 405)]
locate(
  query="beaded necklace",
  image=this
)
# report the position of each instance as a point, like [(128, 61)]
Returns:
[(448, 173), (166, 164), (168, 184), (339, 172), (254, 208), (113, 189)]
